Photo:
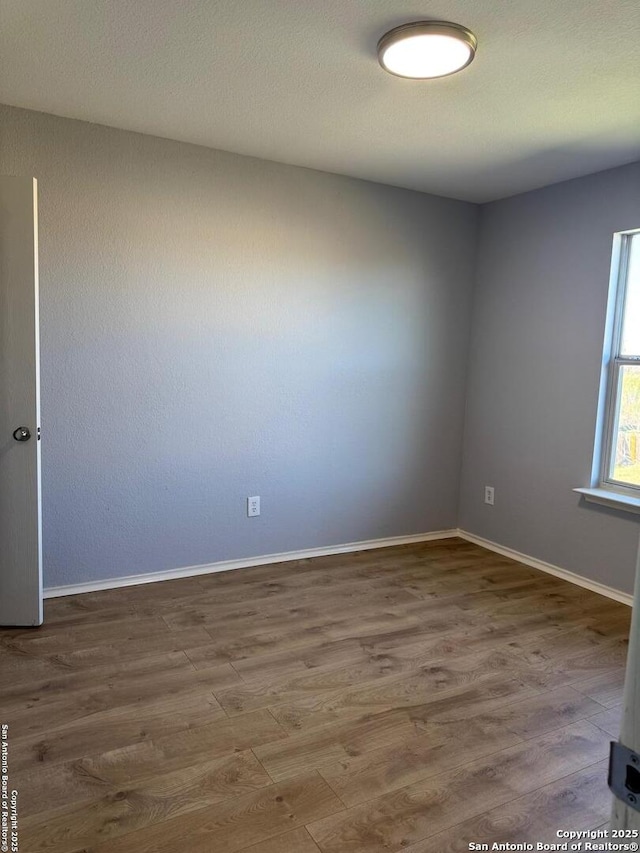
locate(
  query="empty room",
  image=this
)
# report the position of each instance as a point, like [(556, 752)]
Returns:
[(320, 426)]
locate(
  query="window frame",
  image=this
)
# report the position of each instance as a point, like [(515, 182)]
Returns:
[(620, 271)]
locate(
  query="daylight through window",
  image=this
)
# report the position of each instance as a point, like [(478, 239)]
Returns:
[(622, 450)]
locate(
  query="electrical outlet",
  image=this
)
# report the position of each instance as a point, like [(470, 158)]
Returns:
[(489, 495), (253, 506)]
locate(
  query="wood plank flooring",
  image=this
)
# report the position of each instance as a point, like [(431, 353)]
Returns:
[(414, 698)]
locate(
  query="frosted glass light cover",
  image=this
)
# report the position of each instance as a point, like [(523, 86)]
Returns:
[(425, 50)]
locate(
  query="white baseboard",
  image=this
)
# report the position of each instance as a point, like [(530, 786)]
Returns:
[(229, 565), (594, 586), (351, 547)]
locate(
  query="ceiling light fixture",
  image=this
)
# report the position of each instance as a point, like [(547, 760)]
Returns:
[(426, 49)]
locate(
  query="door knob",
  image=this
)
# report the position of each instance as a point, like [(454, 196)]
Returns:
[(22, 434)]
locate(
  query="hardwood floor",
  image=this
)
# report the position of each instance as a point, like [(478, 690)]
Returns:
[(414, 698)]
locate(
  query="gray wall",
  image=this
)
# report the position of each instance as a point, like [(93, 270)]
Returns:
[(535, 364), (215, 326)]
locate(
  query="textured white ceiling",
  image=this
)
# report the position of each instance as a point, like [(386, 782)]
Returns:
[(554, 91)]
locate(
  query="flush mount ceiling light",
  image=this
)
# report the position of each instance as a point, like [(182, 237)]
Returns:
[(426, 49)]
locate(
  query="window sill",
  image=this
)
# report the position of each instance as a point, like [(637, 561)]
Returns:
[(617, 500)]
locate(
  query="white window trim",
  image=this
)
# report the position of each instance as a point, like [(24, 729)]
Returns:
[(616, 500), (620, 269), (604, 490)]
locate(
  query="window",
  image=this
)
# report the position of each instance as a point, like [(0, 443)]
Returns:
[(621, 451)]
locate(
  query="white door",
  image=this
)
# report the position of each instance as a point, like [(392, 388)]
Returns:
[(626, 816), (20, 521)]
